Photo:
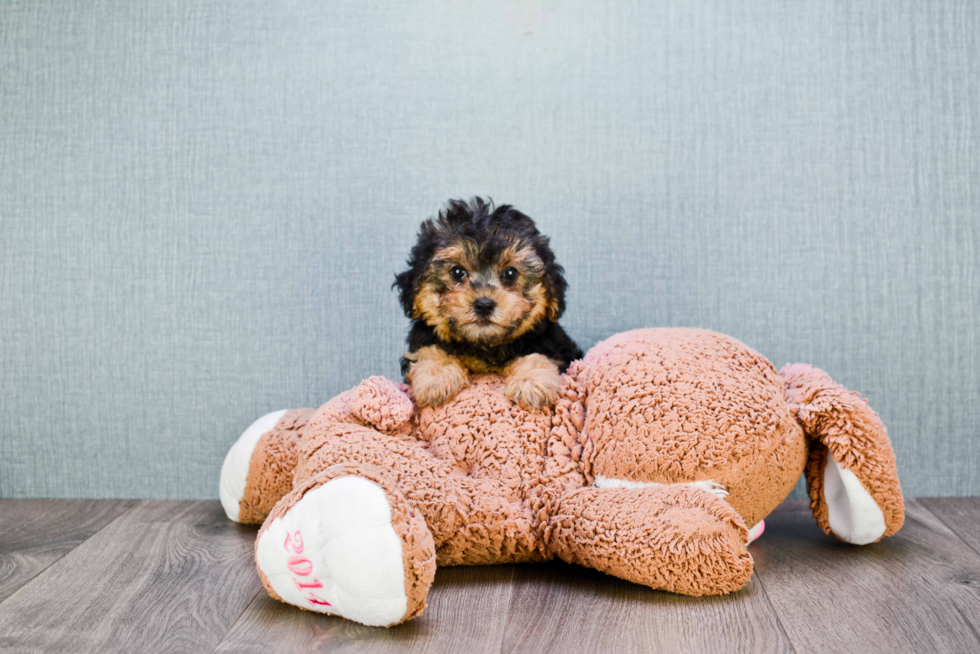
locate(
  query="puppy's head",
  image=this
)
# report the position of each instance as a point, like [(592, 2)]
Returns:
[(481, 274)]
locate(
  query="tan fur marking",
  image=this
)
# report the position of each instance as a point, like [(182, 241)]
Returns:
[(537, 312), (525, 260), (454, 253), (428, 307), (477, 366), (435, 376), (553, 309), (429, 301), (532, 381)]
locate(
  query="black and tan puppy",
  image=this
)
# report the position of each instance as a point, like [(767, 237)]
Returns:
[(484, 293)]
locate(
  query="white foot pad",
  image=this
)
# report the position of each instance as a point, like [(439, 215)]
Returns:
[(709, 485), (234, 471), (337, 552), (853, 514)]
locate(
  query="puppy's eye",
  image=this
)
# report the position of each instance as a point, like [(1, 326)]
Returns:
[(509, 275), (458, 273)]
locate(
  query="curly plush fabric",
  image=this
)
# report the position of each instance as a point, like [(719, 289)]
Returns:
[(663, 447), (271, 476), (697, 406), (675, 537)]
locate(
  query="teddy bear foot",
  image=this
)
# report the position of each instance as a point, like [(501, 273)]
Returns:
[(234, 470), (258, 469), (347, 548), (676, 537)]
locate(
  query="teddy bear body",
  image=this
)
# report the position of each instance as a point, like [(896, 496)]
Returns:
[(669, 406), (664, 446)]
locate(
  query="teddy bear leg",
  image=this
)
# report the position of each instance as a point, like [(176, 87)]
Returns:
[(675, 537), (348, 479), (347, 542), (851, 475), (258, 469)]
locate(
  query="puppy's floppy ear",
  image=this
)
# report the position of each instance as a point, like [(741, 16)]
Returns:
[(556, 289), (554, 311), (408, 281), (554, 274), (407, 289)]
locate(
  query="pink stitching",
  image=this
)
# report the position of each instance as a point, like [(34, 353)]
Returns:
[(309, 584), (296, 542), (300, 566)]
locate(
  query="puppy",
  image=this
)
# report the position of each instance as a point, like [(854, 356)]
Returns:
[(484, 293)]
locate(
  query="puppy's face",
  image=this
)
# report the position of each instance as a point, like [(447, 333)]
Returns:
[(482, 276), (485, 293)]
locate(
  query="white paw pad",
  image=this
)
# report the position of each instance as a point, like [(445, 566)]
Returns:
[(708, 485), (234, 471), (336, 551)]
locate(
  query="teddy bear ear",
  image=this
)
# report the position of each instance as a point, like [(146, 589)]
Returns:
[(383, 404), (851, 475)]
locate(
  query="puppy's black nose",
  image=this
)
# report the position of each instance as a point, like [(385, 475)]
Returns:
[(484, 306)]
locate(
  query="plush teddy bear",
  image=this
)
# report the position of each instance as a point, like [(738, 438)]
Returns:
[(664, 446)]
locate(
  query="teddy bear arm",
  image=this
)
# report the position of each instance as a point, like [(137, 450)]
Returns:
[(675, 537), (852, 479), (381, 403)]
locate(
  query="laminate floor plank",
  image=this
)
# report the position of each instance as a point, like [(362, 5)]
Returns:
[(914, 592), (111, 576), (563, 608), (36, 533), (960, 514), (163, 577), (466, 614)]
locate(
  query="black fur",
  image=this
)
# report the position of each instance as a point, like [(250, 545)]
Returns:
[(493, 229)]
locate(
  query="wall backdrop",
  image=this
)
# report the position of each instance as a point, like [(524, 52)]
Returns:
[(203, 204)]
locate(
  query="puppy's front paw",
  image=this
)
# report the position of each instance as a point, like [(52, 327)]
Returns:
[(438, 386), (435, 376), (533, 382)]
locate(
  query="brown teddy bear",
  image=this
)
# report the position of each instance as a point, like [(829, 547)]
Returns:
[(665, 445)]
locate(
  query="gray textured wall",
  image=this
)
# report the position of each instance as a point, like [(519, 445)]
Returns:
[(202, 204)]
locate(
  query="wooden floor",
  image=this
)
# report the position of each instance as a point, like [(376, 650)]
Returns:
[(148, 576)]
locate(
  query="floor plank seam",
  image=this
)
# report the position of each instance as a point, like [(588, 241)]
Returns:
[(79, 544), (948, 526), (233, 624), (510, 606), (968, 623), (775, 613)]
